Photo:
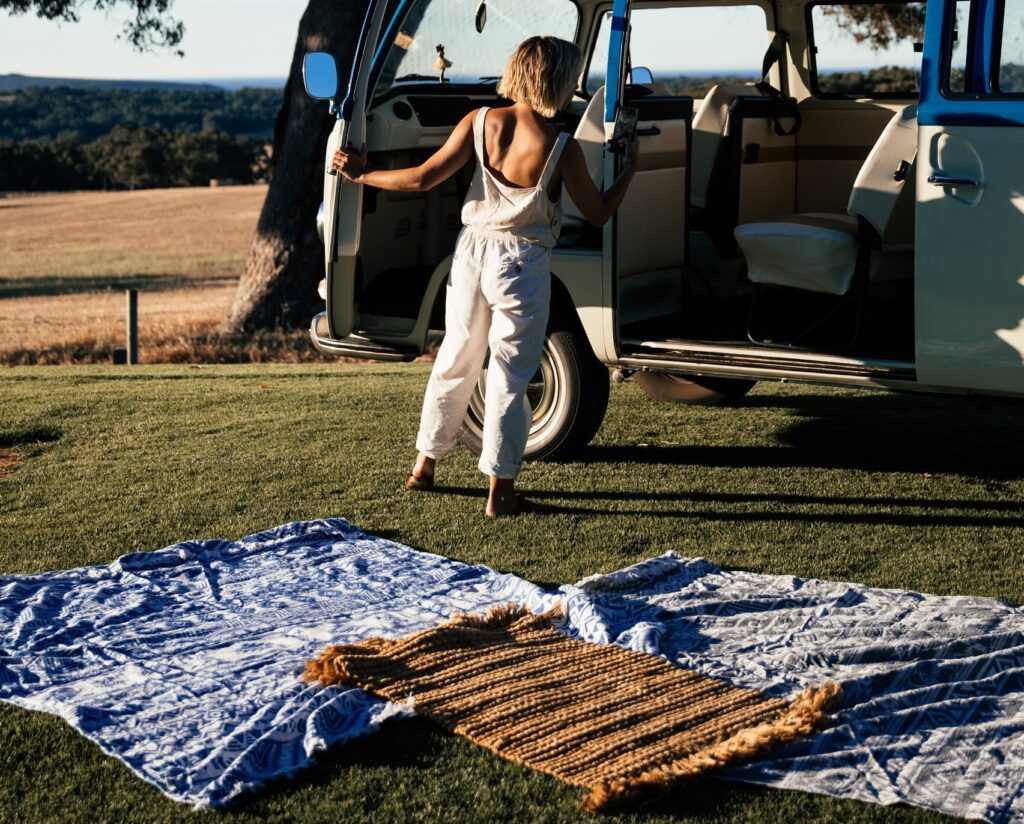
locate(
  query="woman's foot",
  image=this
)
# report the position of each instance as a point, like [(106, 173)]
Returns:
[(503, 499), (519, 505), (421, 479)]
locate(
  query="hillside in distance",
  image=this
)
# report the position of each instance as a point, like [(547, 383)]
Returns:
[(17, 82)]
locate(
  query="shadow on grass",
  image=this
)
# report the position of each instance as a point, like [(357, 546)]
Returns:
[(882, 433), (786, 516), (28, 436), (420, 743)]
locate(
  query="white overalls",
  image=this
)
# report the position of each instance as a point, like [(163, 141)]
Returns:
[(499, 293)]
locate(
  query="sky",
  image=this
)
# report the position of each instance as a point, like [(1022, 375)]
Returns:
[(223, 39), (255, 39)]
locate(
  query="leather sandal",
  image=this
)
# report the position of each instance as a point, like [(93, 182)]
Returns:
[(416, 484)]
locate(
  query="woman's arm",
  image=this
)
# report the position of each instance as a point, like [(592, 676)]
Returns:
[(440, 166), (596, 207)]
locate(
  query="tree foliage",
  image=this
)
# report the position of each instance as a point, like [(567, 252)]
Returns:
[(880, 25), (131, 158), (88, 114), (147, 27)]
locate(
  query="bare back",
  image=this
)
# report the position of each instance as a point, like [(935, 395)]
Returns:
[(517, 142)]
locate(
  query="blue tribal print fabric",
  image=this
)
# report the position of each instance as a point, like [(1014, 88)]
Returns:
[(185, 663)]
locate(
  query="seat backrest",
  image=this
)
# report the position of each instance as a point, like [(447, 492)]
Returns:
[(590, 135), (884, 191), (709, 132)]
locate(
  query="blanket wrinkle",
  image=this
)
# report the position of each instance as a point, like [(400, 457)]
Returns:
[(200, 696)]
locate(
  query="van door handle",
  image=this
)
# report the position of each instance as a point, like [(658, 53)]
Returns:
[(942, 179), (650, 131)]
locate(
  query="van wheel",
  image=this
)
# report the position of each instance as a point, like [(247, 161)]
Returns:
[(691, 389), (569, 396)]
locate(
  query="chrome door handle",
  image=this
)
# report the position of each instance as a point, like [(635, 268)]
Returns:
[(942, 179)]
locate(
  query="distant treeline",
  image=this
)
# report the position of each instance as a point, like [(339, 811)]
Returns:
[(885, 80), (131, 158), (889, 79), (84, 115), (58, 139)]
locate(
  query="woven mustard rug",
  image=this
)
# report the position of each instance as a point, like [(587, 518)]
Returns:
[(623, 724)]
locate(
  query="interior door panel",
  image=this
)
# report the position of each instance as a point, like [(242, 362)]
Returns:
[(652, 218)]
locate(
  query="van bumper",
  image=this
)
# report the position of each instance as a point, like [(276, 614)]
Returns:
[(354, 346)]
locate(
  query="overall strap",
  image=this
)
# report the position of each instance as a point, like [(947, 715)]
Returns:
[(478, 132), (552, 163)]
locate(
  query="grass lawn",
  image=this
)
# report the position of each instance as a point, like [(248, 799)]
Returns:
[(889, 490)]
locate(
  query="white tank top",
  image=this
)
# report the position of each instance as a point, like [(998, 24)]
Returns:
[(520, 212)]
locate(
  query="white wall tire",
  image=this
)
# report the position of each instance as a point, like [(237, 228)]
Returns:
[(569, 397)]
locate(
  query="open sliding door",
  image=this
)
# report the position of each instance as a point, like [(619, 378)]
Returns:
[(969, 287), (344, 199)]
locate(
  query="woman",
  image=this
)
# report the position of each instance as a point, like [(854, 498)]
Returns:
[(499, 289)]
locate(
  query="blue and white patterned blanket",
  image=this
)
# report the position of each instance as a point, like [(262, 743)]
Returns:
[(184, 663)]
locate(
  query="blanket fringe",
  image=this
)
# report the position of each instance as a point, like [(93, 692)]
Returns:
[(807, 713)]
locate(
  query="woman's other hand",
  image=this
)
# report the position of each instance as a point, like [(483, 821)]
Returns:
[(350, 164)]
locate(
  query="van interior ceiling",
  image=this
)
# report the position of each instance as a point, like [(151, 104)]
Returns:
[(730, 176)]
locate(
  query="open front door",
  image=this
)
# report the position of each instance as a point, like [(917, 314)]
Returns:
[(343, 199), (969, 273)]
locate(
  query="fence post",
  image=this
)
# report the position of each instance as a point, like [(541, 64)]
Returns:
[(132, 331)]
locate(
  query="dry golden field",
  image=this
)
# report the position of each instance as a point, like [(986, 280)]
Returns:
[(178, 233), (66, 259)]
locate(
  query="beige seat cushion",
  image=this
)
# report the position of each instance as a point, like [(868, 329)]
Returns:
[(815, 252)]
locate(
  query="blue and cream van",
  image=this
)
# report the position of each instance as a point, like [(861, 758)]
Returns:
[(793, 218)]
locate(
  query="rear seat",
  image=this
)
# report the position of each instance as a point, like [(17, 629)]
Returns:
[(744, 160), (820, 252)]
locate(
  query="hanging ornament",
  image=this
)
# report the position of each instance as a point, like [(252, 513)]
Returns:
[(442, 63)]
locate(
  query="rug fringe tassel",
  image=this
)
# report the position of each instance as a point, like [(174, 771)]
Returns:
[(807, 713), (504, 615), (328, 668)]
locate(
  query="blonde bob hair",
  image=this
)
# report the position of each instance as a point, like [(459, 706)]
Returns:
[(543, 74)]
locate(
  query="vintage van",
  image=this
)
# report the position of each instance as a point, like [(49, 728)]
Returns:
[(786, 224)]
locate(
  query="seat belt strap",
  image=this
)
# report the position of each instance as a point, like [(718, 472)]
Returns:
[(772, 56)]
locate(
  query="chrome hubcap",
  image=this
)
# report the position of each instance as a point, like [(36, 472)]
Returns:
[(542, 393)]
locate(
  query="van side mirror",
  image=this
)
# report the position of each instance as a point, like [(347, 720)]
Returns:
[(641, 76), (320, 75)]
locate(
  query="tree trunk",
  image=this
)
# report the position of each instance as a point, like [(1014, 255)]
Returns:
[(285, 262)]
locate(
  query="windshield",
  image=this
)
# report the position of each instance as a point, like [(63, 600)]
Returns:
[(440, 36)]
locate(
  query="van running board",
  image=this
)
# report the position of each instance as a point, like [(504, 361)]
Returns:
[(769, 362), (355, 346)]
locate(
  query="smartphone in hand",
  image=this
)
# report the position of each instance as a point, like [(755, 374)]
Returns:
[(625, 127)]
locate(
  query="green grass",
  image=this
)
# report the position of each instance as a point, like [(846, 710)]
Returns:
[(890, 490)]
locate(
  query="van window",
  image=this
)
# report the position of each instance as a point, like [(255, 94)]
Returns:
[(1011, 50), (866, 49), (965, 74), (475, 57), (689, 50), (958, 48)]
